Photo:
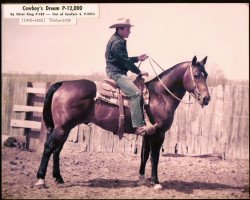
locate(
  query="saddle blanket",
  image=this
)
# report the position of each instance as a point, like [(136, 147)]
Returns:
[(108, 91)]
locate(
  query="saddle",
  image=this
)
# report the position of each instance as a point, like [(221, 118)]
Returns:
[(111, 93)]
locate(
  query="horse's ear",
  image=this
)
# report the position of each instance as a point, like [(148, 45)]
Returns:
[(194, 60), (203, 62)]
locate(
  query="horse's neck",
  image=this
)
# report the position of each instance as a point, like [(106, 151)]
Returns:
[(175, 76), (174, 82)]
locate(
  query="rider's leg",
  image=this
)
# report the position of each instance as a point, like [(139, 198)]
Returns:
[(136, 104), (135, 97)]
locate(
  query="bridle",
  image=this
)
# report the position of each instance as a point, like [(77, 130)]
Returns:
[(194, 84), (192, 77)]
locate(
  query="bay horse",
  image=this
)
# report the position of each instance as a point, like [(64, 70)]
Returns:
[(69, 103)]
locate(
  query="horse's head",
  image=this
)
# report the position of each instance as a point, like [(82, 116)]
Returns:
[(195, 79)]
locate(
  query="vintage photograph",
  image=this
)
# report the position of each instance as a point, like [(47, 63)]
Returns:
[(125, 101)]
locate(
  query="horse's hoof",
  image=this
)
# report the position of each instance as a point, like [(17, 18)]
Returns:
[(157, 187), (141, 177), (59, 180), (142, 180), (40, 184)]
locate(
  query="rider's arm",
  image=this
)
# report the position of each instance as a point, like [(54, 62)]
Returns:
[(120, 52)]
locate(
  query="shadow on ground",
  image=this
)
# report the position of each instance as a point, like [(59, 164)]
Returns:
[(180, 186)]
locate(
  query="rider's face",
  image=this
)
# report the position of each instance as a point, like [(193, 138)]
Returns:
[(125, 32)]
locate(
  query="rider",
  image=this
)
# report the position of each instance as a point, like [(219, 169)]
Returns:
[(118, 64)]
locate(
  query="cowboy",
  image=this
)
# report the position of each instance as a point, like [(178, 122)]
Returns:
[(118, 64)]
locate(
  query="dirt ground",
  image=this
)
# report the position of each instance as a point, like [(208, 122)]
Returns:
[(104, 175)]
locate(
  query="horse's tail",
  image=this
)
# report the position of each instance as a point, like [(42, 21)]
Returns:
[(47, 115)]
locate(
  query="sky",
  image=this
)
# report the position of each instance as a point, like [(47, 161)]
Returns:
[(169, 33)]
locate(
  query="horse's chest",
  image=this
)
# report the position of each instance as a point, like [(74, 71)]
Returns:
[(163, 114)]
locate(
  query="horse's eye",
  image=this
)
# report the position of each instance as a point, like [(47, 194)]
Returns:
[(196, 75)]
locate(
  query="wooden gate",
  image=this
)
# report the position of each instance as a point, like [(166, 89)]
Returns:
[(27, 124), (31, 126)]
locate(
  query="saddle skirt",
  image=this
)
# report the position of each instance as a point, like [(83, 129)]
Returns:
[(109, 91)]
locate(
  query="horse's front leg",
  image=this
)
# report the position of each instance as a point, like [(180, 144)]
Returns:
[(144, 157), (156, 143)]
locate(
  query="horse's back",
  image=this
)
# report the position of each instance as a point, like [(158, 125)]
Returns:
[(77, 89), (81, 83)]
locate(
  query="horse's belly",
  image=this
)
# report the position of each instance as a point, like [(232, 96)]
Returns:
[(107, 117)]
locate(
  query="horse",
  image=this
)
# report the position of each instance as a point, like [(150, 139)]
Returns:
[(69, 103)]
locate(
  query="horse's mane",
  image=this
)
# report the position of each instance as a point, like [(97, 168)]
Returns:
[(166, 72), (150, 84), (171, 69)]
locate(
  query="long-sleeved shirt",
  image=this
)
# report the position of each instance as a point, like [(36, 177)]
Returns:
[(117, 60)]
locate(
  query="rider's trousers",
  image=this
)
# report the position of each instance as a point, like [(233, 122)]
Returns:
[(135, 98)]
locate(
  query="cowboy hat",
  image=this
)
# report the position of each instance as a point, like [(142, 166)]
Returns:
[(121, 23)]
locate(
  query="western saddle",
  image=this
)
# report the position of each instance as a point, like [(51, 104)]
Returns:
[(110, 92)]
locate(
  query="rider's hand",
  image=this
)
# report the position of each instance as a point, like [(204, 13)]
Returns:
[(142, 57), (143, 73)]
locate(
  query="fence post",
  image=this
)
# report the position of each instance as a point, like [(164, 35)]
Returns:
[(30, 102), (218, 122)]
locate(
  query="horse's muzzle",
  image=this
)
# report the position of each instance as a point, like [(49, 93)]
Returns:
[(205, 100)]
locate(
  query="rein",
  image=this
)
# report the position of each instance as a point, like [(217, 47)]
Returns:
[(191, 71), (195, 87)]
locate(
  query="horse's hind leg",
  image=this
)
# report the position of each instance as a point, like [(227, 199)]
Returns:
[(55, 140), (56, 162)]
